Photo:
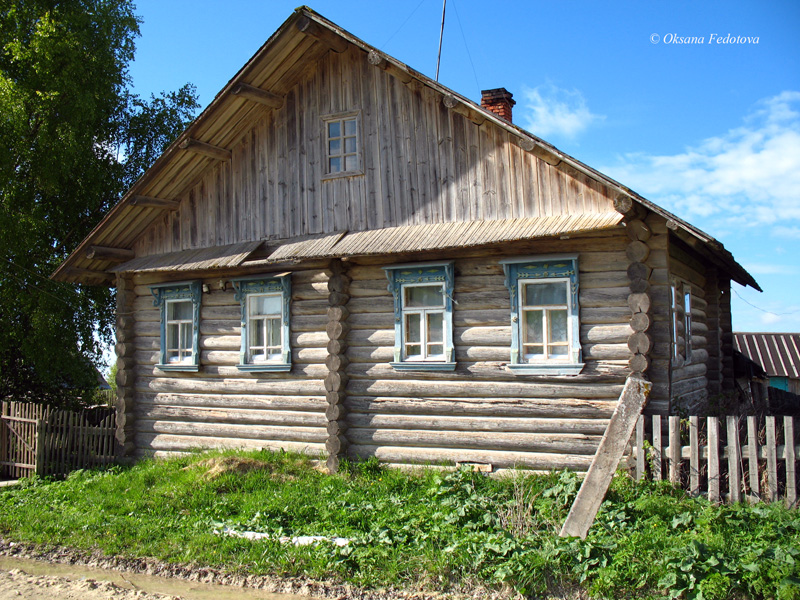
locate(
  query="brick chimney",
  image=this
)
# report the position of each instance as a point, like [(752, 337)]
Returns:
[(499, 101)]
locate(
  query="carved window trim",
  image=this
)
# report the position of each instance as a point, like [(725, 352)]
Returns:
[(163, 295), (532, 269), (402, 276), (245, 287)]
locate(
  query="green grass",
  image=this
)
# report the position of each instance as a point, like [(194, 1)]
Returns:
[(441, 530)]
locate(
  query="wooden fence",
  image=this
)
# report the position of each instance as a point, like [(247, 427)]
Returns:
[(42, 440), (726, 458)]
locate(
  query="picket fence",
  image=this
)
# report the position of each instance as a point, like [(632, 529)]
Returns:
[(726, 458), (46, 441)]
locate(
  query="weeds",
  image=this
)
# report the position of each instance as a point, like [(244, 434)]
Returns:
[(429, 528)]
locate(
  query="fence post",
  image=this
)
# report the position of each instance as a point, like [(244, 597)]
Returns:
[(713, 459), (734, 460), (694, 456), (772, 460), (675, 450), (640, 459), (789, 455), (657, 448), (752, 459)]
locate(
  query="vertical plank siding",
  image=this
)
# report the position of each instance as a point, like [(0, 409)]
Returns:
[(222, 406), (421, 163), (49, 442), (728, 458)]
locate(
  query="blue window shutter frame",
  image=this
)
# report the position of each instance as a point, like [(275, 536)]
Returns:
[(544, 267), (281, 284), (400, 275), (182, 290)]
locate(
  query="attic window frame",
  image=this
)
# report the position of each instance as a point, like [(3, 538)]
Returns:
[(341, 117)]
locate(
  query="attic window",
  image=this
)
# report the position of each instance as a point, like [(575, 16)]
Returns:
[(342, 148)]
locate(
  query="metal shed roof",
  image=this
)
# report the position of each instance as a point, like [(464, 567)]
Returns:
[(778, 353)]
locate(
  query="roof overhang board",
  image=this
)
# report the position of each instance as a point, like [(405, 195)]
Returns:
[(302, 40)]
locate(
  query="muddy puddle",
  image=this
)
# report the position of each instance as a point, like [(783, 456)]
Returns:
[(187, 590)]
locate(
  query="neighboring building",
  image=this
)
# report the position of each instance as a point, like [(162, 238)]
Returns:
[(343, 257), (777, 353)]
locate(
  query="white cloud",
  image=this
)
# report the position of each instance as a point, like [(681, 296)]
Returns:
[(770, 269), (552, 111), (748, 176)]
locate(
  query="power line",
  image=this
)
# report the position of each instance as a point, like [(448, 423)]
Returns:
[(403, 24), (466, 47), (769, 312)]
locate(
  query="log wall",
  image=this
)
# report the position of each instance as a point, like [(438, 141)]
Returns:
[(482, 412), (220, 405), (422, 163), (690, 383)]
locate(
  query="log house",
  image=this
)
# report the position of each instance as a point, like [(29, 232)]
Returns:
[(342, 257)]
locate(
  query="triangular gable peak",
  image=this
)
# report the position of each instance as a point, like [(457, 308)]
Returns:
[(255, 164)]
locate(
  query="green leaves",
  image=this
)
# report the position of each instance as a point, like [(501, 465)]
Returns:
[(72, 139)]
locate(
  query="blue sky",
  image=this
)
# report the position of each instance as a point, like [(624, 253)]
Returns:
[(642, 90)]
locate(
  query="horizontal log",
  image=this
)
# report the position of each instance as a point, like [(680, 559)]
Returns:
[(464, 423), (438, 456), (605, 334), (483, 389), (212, 372), (262, 385), (687, 386), (234, 431), (638, 230), (193, 414), (160, 442), (566, 443), (109, 253), (261, 402), (150, 202)]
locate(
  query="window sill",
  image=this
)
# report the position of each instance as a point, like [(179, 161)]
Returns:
[(266, 368), (546, 369), (423, 366), (179, 367), (340, 174)]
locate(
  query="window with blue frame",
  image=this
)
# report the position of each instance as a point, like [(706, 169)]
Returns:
[(265, 302), (180, 325), (423, 316), (545, 325)]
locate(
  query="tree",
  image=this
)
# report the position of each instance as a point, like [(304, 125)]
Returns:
[(73, 137)]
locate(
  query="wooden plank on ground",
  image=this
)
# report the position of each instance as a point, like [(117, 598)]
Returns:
[(612, 447)]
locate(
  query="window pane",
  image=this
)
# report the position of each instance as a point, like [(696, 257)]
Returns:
[(257, 333), (413, 350), (350, 145), (265, 305), (179, 311), (351, 163), (558, 350), (533, 327), (425, 295), (274, 333), (435, 327), (186, 337), (435, 350), (532, 349), (335, 164), (558, 325), (172, 336), (413, 329), (539, 294), (335, 147), (350, 127), (334, 129)]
